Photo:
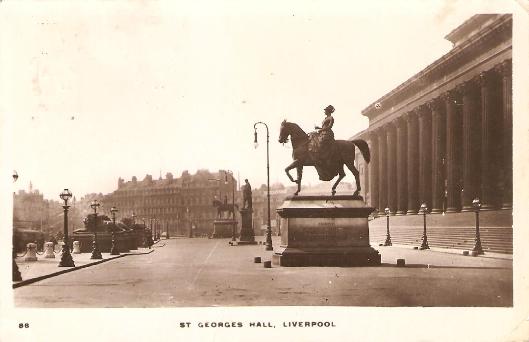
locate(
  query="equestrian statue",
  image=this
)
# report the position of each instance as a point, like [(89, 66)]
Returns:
[(319, 149), (225, 207)]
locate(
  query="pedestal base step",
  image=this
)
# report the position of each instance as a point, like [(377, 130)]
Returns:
[(330, 257), (246, 243)]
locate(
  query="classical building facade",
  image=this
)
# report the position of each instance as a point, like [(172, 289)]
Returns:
[(444, 137), (174, 203)]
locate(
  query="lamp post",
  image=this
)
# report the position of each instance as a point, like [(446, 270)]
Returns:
[(133, 218), (114, 249), (15, 271), (66, 257), (96, 254), (269, 246), (233, 232), (144, 234), (424, 244), (388, 237), (152, 231), (478, 249), (190, 223)]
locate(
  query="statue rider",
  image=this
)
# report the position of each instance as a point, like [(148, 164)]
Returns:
[(247, 195), (326, 134)]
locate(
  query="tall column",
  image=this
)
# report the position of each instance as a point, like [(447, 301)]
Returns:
[(373, 170), (488, 195), (402, 167), (471, 150), (506, 80), (453, 153), (425, 155), (438, 155), (382, 168), (392, 168), (413, 163)]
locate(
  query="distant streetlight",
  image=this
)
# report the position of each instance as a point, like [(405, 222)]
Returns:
[(114, 249), (424, 210), (133, 218), (189, 222), (477, 246), (66, 257), (388, 237), (226, 172), (269, 246), (96, 254)]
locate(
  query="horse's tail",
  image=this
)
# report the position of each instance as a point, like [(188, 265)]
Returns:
[(364, 149)]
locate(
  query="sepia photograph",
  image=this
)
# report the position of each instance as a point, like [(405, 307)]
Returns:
[(225, 170)]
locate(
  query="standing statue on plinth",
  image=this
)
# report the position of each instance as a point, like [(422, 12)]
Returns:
[(247, 195), (247, 236), (319, 149)]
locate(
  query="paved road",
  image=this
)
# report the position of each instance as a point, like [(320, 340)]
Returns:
[(202, 272)]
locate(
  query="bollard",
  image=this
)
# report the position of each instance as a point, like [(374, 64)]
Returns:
[(31, 252), (401, 262), (48, 250), (76, 247), (257, 260), (267, 264)]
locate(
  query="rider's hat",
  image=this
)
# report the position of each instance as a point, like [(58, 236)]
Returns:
[(330, 108)]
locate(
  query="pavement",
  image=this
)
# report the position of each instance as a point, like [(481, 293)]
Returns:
[(187, 272), (43, 268)]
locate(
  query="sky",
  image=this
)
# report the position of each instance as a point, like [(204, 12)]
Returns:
[(93, 91)]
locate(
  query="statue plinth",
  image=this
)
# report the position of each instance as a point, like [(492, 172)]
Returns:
[(247, 234), (223, 228), (325, 231)]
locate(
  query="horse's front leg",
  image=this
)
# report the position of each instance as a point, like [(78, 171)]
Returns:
[(299, 170), (290, 167), (341, 175)]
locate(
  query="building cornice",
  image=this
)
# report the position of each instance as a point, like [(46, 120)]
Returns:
[(494, 34)]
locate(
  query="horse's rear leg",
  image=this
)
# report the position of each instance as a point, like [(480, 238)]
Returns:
[(341, 175), (351, 166)]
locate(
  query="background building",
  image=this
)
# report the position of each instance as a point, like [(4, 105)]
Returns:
[(175, 203), (444, 137)]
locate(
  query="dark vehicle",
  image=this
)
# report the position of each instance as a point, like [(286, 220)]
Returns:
[(21, 237)]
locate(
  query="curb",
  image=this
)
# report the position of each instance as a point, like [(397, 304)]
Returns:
[(67, 270), (487, 255)]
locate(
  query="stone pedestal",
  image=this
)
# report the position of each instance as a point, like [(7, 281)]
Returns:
[(223, 228), (247, 236), (325, 231)]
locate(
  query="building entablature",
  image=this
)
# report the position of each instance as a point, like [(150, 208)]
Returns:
[(479, 52)]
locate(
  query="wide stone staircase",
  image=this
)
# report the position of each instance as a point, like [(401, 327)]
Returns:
[(452, 231)]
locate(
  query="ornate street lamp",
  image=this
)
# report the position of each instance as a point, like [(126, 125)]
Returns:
[(114, 249), (96, 254), (133, 218), (66, 257), (233, 232), (188, 216), (16, 272), (388, 237), (424, 245), (477, 246), (269, 246), (145, 242)]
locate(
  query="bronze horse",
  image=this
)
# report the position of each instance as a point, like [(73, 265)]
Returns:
[(222, 207), (343, 153)]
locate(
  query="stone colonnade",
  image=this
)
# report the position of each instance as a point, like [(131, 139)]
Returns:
[(448, 151)]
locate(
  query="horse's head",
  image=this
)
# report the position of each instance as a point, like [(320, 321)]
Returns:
[(283, 132)]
